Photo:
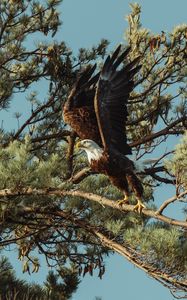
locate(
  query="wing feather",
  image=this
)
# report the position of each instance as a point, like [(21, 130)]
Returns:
[(78, 111), (111, 99)]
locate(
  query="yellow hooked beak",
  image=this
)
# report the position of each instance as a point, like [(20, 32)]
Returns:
[(78, 145)]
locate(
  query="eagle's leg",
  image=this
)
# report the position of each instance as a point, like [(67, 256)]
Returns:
[(122, 184), (139, 206), (125, 200), (137, 188)]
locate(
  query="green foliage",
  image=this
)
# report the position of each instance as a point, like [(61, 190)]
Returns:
[(163, 65), (19, 167), (59, 285), (19, 20), (115, 226), (14, 288), (162, 246), (177, 165), (62, 289)]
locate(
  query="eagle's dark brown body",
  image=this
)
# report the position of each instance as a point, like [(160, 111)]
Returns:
[(96, 109), (119, 172)]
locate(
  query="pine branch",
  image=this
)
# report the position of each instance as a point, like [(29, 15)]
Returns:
[(162, 179), (169, 201), (92, 197), (136, 258), (157, 134), (59, 135), (79, 176), (69, 155), (150, 113), (108, 240), (34, 114)]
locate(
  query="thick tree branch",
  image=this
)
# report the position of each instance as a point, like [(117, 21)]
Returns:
[(69, 155), (107, 240), (136, 258), (92, 197), (79, 176)]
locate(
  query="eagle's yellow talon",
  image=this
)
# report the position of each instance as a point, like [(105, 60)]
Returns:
[(123, 201), (139, 206)]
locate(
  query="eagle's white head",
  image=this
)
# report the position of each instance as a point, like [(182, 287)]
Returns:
[(93, 151)]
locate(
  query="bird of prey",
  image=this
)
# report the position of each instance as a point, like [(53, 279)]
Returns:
[(96, 110)]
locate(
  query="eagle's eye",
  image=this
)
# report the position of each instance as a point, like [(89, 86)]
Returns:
[(86, 144)]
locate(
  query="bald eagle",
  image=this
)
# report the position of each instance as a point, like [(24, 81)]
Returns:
[(96, 110)]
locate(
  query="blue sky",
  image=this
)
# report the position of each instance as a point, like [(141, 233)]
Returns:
[(85, 22)]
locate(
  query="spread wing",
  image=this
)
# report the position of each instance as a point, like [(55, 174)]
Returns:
[(79, 110), (111, 98)]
